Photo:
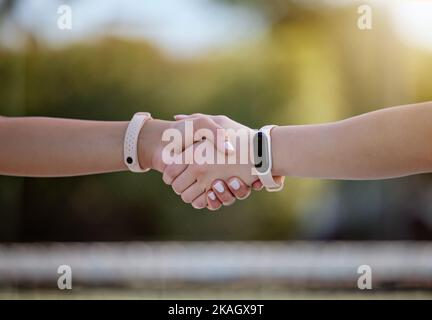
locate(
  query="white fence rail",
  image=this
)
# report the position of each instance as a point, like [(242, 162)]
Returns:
[(301, 263)]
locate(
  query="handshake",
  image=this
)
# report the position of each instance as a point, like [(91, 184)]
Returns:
[(212, 160), (208, 160)]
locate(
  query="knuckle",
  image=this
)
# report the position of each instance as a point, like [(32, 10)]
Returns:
[(203, 121), (176, 188), (243, 195), (199, 170), (169, 174), (186, 197), (228, 203), (214, 208), (199, 203), (220, 117), (166, 179)]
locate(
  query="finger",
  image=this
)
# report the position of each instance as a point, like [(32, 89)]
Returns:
[(172, 171), (238, 188), (198, 114), (193, 192), (280, 180), (179, 117), (213, 201), (200, 202), (183, 181), (222, 192), (205, 127), (257, 185)]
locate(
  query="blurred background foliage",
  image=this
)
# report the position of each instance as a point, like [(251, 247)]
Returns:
[(310, 64)]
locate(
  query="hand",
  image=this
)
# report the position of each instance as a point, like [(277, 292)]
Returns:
[(150, 144), (220, 121), (213, 199), (221, 192), (234, 188), (193, 181)]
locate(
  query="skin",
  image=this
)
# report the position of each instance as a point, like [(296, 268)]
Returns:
[(229, 194), (53, 147), (46, 147), (387, 143), (193, 180)]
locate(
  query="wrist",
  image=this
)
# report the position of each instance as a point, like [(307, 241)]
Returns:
[(150, 144), (275, 136), (281, 151)]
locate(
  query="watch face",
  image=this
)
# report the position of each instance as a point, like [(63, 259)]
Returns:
[(261, 156)]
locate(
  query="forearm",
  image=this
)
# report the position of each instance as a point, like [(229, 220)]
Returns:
[(387, 143), (60, 147)]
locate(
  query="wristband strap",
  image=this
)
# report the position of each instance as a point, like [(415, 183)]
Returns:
[(267, 177), (130, 154)]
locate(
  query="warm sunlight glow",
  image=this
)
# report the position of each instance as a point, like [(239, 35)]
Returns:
[(413, 21)]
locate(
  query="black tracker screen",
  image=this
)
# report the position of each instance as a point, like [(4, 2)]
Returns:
[(261, 158)]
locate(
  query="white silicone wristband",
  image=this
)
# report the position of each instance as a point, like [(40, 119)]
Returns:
[(267, 178), (130, 153)]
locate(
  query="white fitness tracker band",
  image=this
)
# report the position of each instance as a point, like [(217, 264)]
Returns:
[(263, 158), (130, 154)]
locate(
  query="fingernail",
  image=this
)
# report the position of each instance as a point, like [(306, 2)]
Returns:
[(212, 196), (219, 187), (179, 115), (228, 146), (235, 184)]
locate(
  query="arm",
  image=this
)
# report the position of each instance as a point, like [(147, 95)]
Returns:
[(50, 147), (60, 147), (387, 143), (53, 147)]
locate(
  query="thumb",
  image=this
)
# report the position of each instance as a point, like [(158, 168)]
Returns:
[(279, 180), (218, 136)]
